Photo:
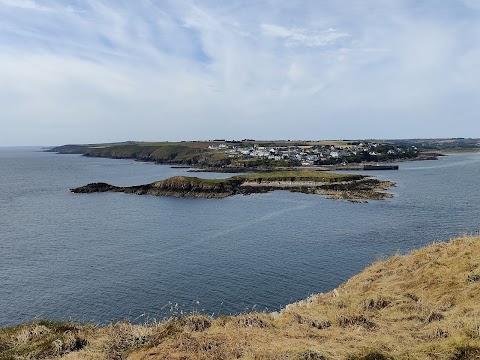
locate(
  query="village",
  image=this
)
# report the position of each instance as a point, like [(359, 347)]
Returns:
[(317, 154)]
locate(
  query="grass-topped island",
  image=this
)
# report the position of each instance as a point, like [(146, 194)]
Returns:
[(336, 186)]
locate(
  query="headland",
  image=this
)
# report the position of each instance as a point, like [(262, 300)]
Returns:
[(249, 155)]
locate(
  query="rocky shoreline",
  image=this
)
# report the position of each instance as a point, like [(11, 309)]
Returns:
[(356, 188)]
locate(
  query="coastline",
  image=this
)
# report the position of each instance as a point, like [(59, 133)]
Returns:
[(208, 156)]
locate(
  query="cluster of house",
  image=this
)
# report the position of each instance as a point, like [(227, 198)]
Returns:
[(311, 154)]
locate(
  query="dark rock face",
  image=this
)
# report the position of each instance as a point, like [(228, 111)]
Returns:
[(365, 184), (178, 186), (94, 187), (182, 186)]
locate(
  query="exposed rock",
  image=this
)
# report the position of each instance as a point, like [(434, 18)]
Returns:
[(183, 186)]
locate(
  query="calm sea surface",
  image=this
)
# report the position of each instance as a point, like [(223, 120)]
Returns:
[(105, 257)]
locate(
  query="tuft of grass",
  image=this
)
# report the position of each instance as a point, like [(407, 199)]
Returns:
[(376, 303), (373, 355), (196, 322), (355, 320), (466, 353), (124, 337), (42, 340)]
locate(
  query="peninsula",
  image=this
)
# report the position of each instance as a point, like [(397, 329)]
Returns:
[(249, 155), (337, 186)]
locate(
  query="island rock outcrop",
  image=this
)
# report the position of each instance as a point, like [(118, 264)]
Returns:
[(349, 187)]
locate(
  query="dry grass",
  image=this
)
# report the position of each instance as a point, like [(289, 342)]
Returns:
[(43, 339), (425, 305)]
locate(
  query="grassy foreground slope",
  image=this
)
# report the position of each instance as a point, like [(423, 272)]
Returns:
[(425, 305)]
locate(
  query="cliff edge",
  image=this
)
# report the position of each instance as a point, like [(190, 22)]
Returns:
[(424, 305)]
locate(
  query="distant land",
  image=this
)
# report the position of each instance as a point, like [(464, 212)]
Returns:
[(260, 155), (297, 166)]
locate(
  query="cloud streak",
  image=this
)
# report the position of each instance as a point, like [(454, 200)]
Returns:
[(23, 4), (303, 37), (181, 70)]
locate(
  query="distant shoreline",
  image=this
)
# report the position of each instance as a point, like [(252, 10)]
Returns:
[(262, 156)]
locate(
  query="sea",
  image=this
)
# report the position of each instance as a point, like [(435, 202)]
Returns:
[(107, 257)]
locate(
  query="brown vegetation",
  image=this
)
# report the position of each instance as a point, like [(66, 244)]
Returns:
[(425, 305)]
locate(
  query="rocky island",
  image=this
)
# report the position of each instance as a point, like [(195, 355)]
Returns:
[(337, 186)]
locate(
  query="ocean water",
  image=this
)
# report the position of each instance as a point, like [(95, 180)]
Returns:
[(110, 256)]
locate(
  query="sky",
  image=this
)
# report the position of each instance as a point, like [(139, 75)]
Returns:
[(89, 71)]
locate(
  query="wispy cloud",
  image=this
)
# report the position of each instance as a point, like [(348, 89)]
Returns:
[(237, 69), (298, 36), (24, 4)]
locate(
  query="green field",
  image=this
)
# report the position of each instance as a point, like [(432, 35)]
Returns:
[(300, 175)]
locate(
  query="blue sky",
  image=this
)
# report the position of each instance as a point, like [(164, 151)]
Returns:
[(77, 71)]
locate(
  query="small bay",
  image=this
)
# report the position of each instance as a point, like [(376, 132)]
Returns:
[(110, 256)]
